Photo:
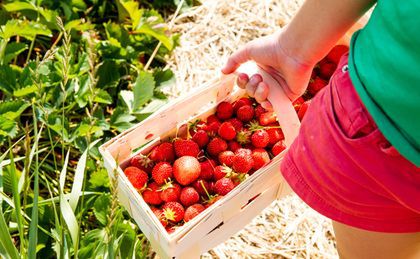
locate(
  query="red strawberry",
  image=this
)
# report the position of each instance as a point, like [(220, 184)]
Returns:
[(243, 137), (245, 151), (142, 162), (260, 138), (236, 123), (260, 157), (242, 162), (336, 53), (186, 147), (326, 70), (227, 131), (274, 135), (303, 109), (267, 118), (216, 146), (212, 127), (222, 171), (259, 110), (163, 152), (226, 158), (316, 85), (170, 192), (173, 211), (186, 169), (171, 229), (201, 138), (278, 148), (189, 196), (213, 200), (224, 110), (245, 113), (297, 103), (196, 126), (241, 102), (223, 186), (151, 194), (159, 215), (162, 172), (212, 118), (201, 186), (137, 177), (207, 169), (192, 211), (233, 145)]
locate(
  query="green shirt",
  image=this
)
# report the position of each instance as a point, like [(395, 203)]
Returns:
[(384, 65)]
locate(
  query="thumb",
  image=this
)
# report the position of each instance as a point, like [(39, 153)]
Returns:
[(236, 59)]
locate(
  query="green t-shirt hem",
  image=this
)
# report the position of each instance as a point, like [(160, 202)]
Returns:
[(385, 125)]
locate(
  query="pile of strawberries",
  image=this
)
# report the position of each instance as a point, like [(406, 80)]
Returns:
[(183, 176)]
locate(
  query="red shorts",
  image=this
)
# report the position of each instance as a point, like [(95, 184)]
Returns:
[(342, 166)]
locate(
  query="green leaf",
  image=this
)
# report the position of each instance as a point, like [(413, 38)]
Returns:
[(157, 33), (101, 208), (86, 129), (7, 128), (6, 241), (129, 9), (150, 108), (99, 179), (24, 91), (102, 96), (7, 79), (121, 120), (12, 109), (143, 89), (26, 29), (19, 6), (13, 49)]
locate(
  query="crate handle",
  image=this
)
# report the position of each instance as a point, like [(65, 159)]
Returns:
[(282, 106)]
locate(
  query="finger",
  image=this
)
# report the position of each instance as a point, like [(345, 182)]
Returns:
[(235, 60), (251, 87), (242, 80), (261, 92), (267, 105)]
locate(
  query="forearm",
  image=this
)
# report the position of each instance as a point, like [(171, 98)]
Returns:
[(318, 25)]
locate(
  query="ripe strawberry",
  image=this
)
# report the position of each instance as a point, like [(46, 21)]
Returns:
[(171, 229), (151, 194), (227, 131), (162, 172), (236, 123), (226, 158), (224, 110), (245, 113), (260, 138), (189, 196), (173, 211), (260, 157), (267, 118), (233, 145), (259, 110), (303, 109), (242, 162), (316, 85), (278, 148), (201, 138), (207, 169), (212, 118), (170, 192), (223, 186), (202, 187), (142, 162), (137, 177), (241, 102), (192, 211), (213, 200), (245, 151), (186, 147), (163, 152), (186, 169), (326, 70), (336, 52), (159, 215), (212, 128), (195, 126), (216, 146), (243, 137), (297, 103), (274, 135), (221, 172)]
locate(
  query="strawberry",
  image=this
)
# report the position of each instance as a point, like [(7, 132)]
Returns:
[(260, 138), (207, 169), (245, 113), (242, 162), (151, 194), (278, 148), (226, 158), (303, 109), (163, 152), (227, 131), (213, 200), (162, 172), (201, 138), (316, 85), (267, 118), (223, 186), (224, 110), (159, 215), (243, 136), (260, 157), (195, 126), (142, 162), (137, 177), (212, 118), (245, 151), (241, 102), (186, 169), (216, 146), (236, 123), (297, 103), (192, 211), (173, 211), (259, 110), (170, 192), (202, 187), (212, 127), (326, 70), (189, 196), (233, 145), (186, 147), (274, 135), (336, 52), (171, 229), (222, 171)]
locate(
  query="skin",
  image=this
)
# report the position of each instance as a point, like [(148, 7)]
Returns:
[(289, 56)]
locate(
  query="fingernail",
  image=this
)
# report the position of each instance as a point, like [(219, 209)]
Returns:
[(255, 79), (243, 78)]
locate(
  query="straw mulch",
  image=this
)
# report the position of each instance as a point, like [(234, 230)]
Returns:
[(209, 34)]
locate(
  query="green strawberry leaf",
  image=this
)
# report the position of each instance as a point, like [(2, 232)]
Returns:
[(143, 89)]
